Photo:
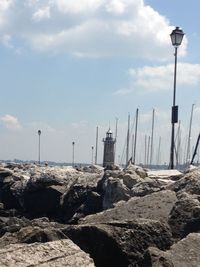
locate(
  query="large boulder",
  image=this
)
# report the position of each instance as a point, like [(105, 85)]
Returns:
[(146, 187), (185, 253), (119, 244), (156, 206), (62, 253), (184, 217), (190, 183)]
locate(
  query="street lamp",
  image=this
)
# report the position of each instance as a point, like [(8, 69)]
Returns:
[(39, 133), (73, 144), (176, 38)]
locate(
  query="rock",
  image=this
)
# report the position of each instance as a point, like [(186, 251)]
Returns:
[(146, 187), (184, 217), (130, 180), (156, 206), (52, 254), (185, 253), (42, 202), (119, 244), (190, 183), (136, 169), (114, 190)]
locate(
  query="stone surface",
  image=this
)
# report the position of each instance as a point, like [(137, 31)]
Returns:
[(184, 217), (119, 244), (185, 253), (52, 254), (156, 206), (190, 183)]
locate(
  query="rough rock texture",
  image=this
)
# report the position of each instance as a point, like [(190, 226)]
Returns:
[(190, 183), (184, 217), (146, 187), (156, 206), (52, 254), (119, 244), (183, 254)]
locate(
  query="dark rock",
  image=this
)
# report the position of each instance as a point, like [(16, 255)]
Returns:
[(119, 244), (42, 202), (184, 217), (183, 254)]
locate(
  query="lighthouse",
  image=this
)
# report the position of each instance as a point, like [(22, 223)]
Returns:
[(109, 149)]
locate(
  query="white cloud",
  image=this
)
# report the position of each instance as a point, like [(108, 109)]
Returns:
[(153, 79), (89, 27), (42, 13), (11, 122)]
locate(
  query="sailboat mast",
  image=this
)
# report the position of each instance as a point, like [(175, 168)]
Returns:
[(152, 133), (96, 148), (127, 141), (135, 142), (189, 136)]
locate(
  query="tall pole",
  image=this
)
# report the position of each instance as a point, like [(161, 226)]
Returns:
[(116, 128), (92, 155), (39, 133), (174, 113), (189, 136), (96, 148), (135, 142), (145, 150), (128, 139), (73, 144), (152, 133)]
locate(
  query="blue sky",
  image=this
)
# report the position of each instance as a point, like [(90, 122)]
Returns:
[(69, 66)]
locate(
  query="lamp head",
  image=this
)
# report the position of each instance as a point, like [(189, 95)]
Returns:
[(177, 37)]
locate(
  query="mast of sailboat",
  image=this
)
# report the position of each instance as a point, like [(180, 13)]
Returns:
[(189, 136), (158, 155), (135, 142), (127, 141), (195, 150), (152, 134), (116, 128), (148, 148), (145, 150), (96, 148)]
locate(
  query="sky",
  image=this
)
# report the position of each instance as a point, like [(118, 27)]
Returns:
[(68, 66)]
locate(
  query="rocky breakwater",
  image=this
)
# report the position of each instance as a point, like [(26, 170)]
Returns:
[(52, 216)]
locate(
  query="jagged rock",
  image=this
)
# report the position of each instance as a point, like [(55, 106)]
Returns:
[(185, 253), (52, 254), (156, 206), (78, 201), (43, 202), (184, 217), (146, 187), (119, 244), (190, 183), (131, 179), (114, 190), (136, 169)]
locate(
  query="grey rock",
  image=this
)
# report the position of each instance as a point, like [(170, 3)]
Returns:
[(119, 244), (185, 253), (184, 217), (156, 206), (52, 254)]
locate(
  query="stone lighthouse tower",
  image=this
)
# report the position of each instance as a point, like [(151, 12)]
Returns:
[(109, 149)]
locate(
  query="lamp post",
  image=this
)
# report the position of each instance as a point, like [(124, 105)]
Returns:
[(39, 133), (73, 144), (92, 155), (176, 38)]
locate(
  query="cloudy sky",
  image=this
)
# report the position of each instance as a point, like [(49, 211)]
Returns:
[(68, 66)]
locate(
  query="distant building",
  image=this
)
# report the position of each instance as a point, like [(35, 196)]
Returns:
[(109, 149)]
